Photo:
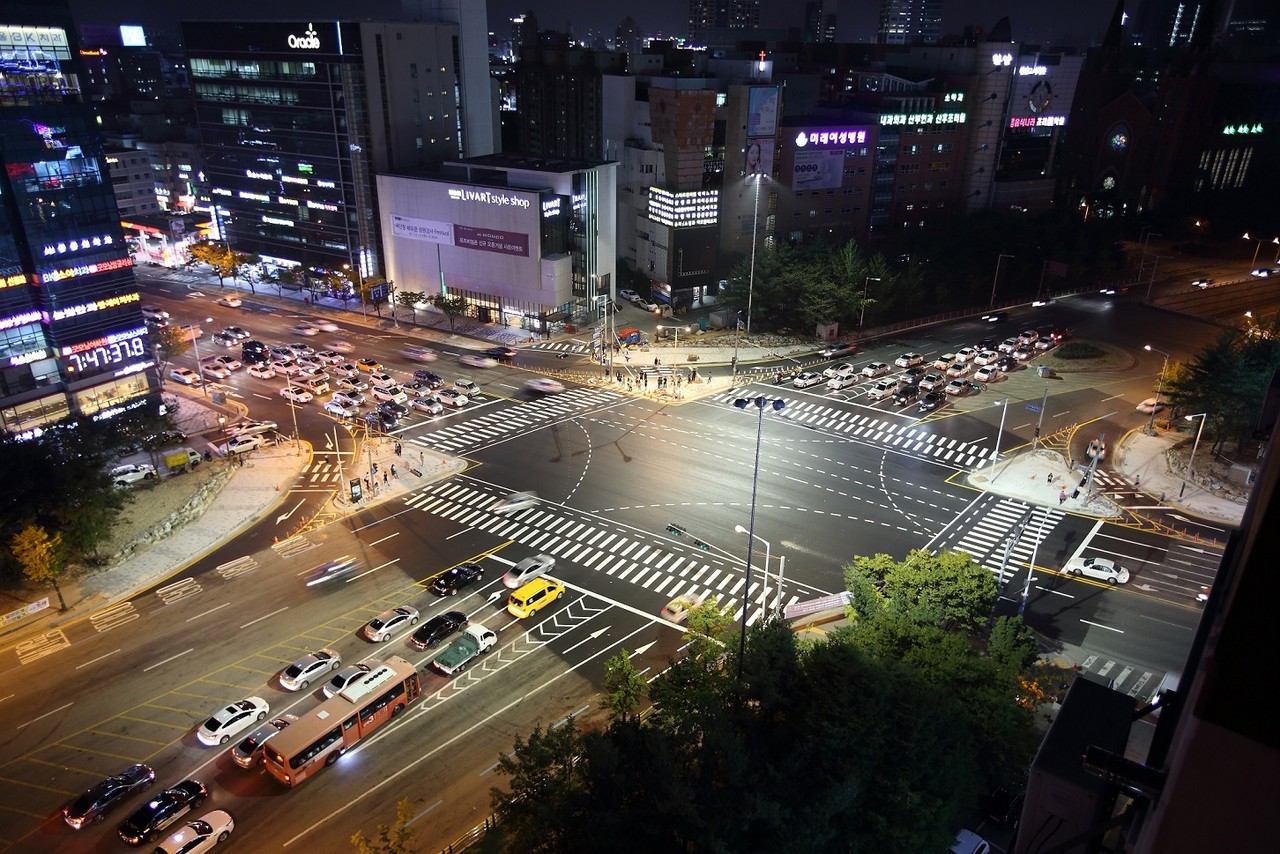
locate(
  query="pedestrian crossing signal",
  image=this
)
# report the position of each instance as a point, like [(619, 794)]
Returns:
[(676, 530)]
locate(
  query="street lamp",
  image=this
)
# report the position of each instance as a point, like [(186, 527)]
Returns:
[(1256, 249), (996, 459), (195, 343), (751, 277), (676, 330), (764, 590), (364, 312), (1151, 423), (863, 312), (760, 403), (1152, 283), (999, 261), (1191, 463)]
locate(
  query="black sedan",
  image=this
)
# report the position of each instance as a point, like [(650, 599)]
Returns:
[(161, 811), (932, 401), (1007, 364), (393, 409), (437, 629), (458, 578), (432, 379), (93, 806), (906, 394), (502, 354)]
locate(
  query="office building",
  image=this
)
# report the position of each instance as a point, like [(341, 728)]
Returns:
[(72, 337), (820, 20), (910, 22), (706, 16)]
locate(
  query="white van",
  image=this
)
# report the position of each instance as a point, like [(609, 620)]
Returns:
[(316, 385)]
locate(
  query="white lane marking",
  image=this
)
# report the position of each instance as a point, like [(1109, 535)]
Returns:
[(96, 660), (265, 616), (167, 660)]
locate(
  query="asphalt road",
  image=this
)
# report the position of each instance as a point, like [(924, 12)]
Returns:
[(839, 475)]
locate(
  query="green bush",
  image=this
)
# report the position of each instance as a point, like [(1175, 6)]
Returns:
[(1079, 350)]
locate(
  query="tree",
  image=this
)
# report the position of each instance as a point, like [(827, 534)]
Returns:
[(391, 839), (453, 307), (223, 261), (545, 783), (624, 687), (411, 300), (42, 557), (949, 590), (170, 342), (1228, 381)]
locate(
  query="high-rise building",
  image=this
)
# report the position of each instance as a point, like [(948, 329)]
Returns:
[(707, 15), (910, 22), (820, 20), (72, 338), (296, 117)]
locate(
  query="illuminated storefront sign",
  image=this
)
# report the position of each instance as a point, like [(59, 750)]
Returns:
[(1001, 59), (273, 220), (294, 179), (328, 185), (1032, 71), (321, 206), (106, 352), (85, 270), (15, 320), (488, 197), (551, 207), (684, 210), (66, 246), (261, 176), (923, 118), (309, 41), (953, 98), (13, 281), (95, 305), (254, 197), (1023, 122), (1236, 130), (19, 359), (831, 137)]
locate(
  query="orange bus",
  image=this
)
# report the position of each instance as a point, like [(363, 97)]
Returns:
[(331, 729)]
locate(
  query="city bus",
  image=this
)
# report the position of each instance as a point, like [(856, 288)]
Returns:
[(332, 728)]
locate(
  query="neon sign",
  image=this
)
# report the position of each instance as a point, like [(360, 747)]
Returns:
[(13, 281), (1032, 71), (1234, 130), (19, 359), (95, 305), (1001, 59), (1023, 122), (830, 137), (84, 270), (488, 197), (310, 41), (261, 176), (16, 320), (65, 246), (923, 118), (272, 220)]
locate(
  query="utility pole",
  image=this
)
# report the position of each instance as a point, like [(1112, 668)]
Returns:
[(1043, 402)]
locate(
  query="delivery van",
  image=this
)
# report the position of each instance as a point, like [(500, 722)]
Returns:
[(181, 460)]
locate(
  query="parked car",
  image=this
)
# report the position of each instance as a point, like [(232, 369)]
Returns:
[(243, 444), (146, 822), (107, 794), (647, 305), (299, 675), (232, 719), (628, 295), (132, 473), (451, 581)]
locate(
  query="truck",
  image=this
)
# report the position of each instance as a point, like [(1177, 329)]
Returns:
[(181, 460), (472, 643)]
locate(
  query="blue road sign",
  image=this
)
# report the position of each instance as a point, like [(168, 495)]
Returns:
[(1034, 407)]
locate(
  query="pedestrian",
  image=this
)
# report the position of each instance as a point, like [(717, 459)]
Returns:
[(422, 458), (384, 478), (1062, 497), (393, 470), (1048, 478), (655, 361), (366, 484), (399, 448), (1137, 481)]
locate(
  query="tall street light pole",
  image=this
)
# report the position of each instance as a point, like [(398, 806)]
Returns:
[(764, 588), (996, 280), (195, 343), (862, 314), (996, 459), (1151, 422), (1151, 284), (1191, 463), (751, 276), (1256, 249), (760, 403)]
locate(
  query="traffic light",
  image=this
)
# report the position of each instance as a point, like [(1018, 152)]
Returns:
[(700, 544), (676, 530)]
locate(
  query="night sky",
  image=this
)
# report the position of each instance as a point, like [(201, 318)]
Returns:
[(1034, 21)]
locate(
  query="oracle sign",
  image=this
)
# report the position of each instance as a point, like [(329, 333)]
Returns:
[(309, 41)]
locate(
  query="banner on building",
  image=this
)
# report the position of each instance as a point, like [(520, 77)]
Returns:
[(818, 169), (762, 111), (427, 230)]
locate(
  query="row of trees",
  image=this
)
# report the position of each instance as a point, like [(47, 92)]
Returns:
[(879, 737)]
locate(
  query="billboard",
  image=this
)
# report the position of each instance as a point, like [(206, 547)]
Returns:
[(818, 169), (758, 159), (762, 111)]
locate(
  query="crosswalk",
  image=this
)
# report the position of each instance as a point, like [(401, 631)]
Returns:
[(594, 544), (576, 347), (322, 470), (908, 437), (1007, 533), (493, 424)]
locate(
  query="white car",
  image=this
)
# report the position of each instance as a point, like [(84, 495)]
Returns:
[(1149, 406), (1100, 568), (252, 428), (628, 295), (429, 405), (341, 410), (959, 369), (330, 357), (230, 301), (306, 329), (1008, 345), (646, 305), (346, 370), (390, 394), (296, 395), (807, 379), (1030, 336), (232, 719), (186, 376), (841, 382), (882, 389), (299, 675), (348, 398), (840, 369), (965, 354), (353, 384), (515, 502), (386, 624), (452, 397), (986, 357), (132, 473), (243, 444), (527, 570), (467, 387), (930, 382), (1045, 344), (215, 371), (288, 367), (1024, 353), (875, 369), (154, 312), (956, 387), (231, 363), (346, 676), (418, 353), (262, 371), (478, 360), (909, 360), (987, 374), (379, 380), (199, 836), (677, 610), (544, 385), (325, 325)]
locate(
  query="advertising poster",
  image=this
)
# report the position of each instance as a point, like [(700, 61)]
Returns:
[(818, 169), (428, 230), (762, 111), (759, 157)]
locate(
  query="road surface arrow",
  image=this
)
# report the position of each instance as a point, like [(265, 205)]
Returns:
[(284, 516)]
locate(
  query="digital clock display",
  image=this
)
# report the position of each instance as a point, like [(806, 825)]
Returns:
[(105, 354)]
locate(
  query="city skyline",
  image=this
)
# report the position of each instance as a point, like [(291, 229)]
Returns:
[(1038, 21)]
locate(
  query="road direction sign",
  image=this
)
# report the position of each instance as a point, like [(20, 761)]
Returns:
[(1034, 407)]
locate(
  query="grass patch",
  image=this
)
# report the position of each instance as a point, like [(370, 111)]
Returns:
[(1075, 350)]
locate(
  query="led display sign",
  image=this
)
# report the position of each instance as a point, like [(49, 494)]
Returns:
[(1022, 122), (923, 118), (63, 247), (107, 352), (1235, 130), (683, 210), (488, 197), (84, 270), (308, 41), (13, 281), (95, 305), (831, 137), (19, 359), (15, 320)]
